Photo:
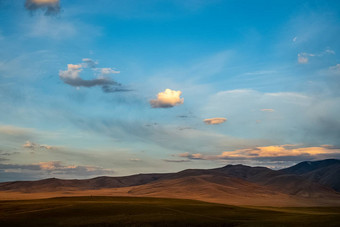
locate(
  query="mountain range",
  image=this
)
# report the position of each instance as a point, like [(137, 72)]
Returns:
[(309, 183)]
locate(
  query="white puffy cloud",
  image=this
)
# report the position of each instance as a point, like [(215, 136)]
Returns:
[(166, 99), (215, 121), (71, 73)]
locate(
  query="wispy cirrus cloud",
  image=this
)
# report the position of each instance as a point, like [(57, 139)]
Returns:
[(335, 69), (303, 58), (291, 121), (18, 134), (13, 130), (167, 99)]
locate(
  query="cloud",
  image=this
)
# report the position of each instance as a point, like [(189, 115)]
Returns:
[(335, 69), (106, 71), (215, 121), (167, 99), (176, 161), (35, 146), (89, 63), (191, 156), (57, 167), (267, 110), (51, 7), (291, 123), (50, 169), (291, 152), (14, 131), (303, 58), (71, 77), (10, 133)]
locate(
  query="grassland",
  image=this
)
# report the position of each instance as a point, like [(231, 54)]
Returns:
[(133, 211)]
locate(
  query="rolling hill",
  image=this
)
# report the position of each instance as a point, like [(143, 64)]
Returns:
[(325, 172), (299, 185)]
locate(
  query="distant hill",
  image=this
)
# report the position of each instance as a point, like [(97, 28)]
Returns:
[(54, 184), (325, 172), (307, 183)]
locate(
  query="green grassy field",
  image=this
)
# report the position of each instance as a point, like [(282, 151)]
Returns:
[(128, 211)]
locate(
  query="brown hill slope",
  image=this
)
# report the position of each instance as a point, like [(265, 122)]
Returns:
[(232, 184), (54, 184), (228, 190)]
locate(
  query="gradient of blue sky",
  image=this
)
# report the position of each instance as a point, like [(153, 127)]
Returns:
[(233, 59)]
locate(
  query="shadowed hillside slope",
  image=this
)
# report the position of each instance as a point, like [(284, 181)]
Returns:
[(325, 172)]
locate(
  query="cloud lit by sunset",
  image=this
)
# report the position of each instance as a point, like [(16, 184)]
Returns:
[(215, 121), (166, 99)]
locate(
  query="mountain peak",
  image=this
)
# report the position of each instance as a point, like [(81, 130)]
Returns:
[(308, 166)]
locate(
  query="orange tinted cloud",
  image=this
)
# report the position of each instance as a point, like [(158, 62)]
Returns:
[(287, 150), (45, 1), (35, 146), (278, 151), (267, 110), (215, 121), (166, 99)]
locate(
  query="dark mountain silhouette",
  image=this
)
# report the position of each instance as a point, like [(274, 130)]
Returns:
[(325, 172)]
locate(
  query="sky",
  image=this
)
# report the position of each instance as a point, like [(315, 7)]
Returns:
[(91, 88)]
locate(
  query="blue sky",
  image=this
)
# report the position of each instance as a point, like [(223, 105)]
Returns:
[(123, 87)]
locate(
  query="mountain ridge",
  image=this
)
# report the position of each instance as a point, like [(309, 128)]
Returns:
[(228, 184)]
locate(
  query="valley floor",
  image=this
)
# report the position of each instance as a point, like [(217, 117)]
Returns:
[(253, 199), (139, 211)]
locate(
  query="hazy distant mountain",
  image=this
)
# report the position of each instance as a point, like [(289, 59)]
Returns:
[(308, 183), (325, 172), (54, 184)]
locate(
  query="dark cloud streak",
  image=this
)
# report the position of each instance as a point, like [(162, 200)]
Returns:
[(51, 7), (108, 85)]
